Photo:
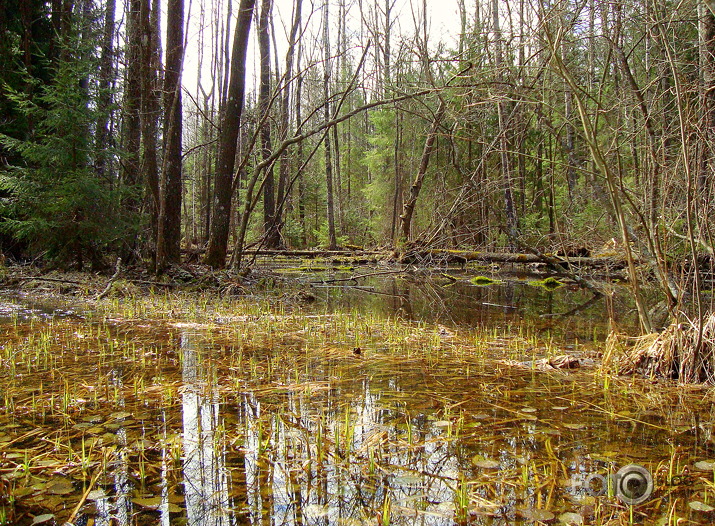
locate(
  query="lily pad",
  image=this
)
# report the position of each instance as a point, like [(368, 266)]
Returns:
[(485, 463), (570, 518), (705, 465), (44, 518), (148, 502), (696, 505), (59, 487)]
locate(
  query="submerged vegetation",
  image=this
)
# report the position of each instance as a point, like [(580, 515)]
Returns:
[(200, 375), (147, 406)]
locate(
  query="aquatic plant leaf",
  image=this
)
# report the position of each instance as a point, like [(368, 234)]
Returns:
[(696, 505), (81, 426), (59, 487), (316, 511), (96, 494), (705, 465), (409, 480), (148, 502), (536, 514), (574, 425), (44, 518), (485, 463), (528, 410), (571, 519)]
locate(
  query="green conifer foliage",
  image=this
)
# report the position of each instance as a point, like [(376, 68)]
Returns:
[(52, 199)]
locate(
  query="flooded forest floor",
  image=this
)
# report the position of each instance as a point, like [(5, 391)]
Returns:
[(334, 393)]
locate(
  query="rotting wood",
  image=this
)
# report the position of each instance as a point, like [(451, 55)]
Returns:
[(465, 256)]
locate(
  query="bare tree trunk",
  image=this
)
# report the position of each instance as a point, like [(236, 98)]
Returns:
[(168, 244), (285, 163), (299, 154), (504, 146), (398, 176), (332, 238), (705, 179), (131, 132), (272, 239), (228, 137), (409, 206), (106, 76), (150, 103)]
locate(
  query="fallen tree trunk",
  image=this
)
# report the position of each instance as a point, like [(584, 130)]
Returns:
[(465, 256)]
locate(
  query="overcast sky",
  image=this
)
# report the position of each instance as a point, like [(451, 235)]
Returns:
[(443, 20)]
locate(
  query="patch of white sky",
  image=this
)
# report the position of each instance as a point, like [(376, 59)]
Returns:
[(204, 19)]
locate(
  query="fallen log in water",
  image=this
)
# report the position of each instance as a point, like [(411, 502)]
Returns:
[(464, 256)]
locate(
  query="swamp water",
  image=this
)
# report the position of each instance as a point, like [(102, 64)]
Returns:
[(376, 406)]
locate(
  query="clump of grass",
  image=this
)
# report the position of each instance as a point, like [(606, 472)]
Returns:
[(672, 353)]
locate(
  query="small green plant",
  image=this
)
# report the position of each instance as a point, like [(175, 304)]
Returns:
[(483, 281), (461, 502), (549, 283)]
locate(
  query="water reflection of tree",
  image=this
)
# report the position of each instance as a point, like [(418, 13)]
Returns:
[(122, 483), (205, 477)]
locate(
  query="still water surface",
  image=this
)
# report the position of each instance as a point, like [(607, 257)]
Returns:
[(409, 402)]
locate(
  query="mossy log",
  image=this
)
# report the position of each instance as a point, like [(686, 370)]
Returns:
[(462, 257)]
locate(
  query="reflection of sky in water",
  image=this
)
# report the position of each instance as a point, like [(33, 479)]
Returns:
[(337, 454), (303, 431), (309, 464), (205, 477)]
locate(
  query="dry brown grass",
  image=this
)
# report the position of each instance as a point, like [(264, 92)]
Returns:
[(673, 353)]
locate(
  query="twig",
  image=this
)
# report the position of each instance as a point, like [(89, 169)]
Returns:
[(355, 278), (84, 497), (51, 280), (114, 278)]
